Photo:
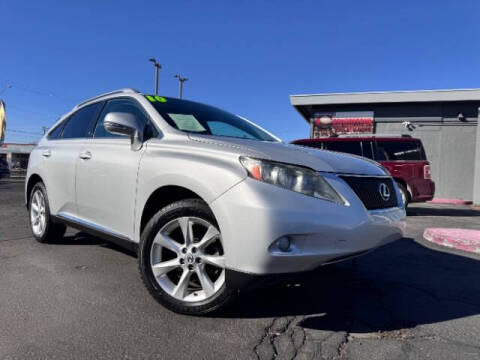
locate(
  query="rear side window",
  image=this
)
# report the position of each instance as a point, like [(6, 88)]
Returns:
[(80, 124), (312, 144), (350, 147), (399, 150)]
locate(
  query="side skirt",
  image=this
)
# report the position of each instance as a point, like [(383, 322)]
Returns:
[(119, 240)]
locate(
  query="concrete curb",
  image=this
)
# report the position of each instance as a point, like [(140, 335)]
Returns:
[(450, 201), (12, 180), (461, 239)]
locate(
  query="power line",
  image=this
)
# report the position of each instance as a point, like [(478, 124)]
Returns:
[(37, 91), (29, 137), (30, 111), (23, 132)]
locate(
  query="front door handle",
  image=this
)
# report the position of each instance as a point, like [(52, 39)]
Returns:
[(47, 153), (86, 155)]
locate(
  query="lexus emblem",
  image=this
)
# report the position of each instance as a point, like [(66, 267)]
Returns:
[(190, 259), (384, 191)]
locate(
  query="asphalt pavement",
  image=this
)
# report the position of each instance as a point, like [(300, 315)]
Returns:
[(83, 298)]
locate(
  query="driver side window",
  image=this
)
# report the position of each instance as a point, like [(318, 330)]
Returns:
[(125, 106)]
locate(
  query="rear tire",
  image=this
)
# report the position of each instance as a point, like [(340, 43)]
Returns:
[(181, 259), (404, 193), (43, 229)]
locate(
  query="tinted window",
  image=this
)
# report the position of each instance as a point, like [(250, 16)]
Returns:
[(55, 133), (312, 144), (125, 106), (399, 150), (351, 147), (367, 149), (203, 119), (80, 123)]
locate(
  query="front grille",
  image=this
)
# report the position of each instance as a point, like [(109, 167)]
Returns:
[(368, 189)]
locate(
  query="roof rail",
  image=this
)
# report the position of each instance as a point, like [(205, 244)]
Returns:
[(374, 135), (119, 91)]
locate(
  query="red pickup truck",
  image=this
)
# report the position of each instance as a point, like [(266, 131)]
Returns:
[(403, 156)]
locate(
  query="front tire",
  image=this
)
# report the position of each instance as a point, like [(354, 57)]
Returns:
[(43, 229), (181, 259)]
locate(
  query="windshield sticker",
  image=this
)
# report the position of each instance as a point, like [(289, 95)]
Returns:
[(187, 122), (156, 98)]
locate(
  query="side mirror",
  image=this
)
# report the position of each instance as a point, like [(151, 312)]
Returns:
[(120, 123)]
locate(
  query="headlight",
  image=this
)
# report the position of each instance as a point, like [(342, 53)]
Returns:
[(291, 177)]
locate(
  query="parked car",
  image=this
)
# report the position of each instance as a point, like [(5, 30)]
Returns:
[(211, 202), (4, 171), (403, 156)]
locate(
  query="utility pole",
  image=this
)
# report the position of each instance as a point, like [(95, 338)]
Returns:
[(157, 67), (180, 84), (44, 129)]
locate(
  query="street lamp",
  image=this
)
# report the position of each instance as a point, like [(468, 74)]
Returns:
[(180, 84), (157, 67)]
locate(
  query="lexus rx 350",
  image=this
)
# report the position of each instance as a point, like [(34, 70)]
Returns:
[(210, 201)]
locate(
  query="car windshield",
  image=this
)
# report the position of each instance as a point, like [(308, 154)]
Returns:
[(203, 119)]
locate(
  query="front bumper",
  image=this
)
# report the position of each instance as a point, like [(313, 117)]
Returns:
[(252, 215)]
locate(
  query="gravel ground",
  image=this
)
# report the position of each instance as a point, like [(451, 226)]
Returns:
[(83, 299)]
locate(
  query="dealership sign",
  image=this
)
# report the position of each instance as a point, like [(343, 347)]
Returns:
[(339, 123)]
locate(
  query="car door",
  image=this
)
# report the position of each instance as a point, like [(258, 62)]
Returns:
[(60, 158), (107, 174)]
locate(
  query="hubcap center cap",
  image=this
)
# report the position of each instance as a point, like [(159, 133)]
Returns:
[(190, 259)]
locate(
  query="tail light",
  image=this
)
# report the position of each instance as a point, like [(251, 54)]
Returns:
[(426, 172)]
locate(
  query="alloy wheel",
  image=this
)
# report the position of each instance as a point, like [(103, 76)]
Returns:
[(38, 217), (187, 259)]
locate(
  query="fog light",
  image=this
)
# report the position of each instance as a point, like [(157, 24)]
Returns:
[(283, 244)]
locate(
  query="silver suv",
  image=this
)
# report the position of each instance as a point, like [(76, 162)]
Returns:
[(211, 202)]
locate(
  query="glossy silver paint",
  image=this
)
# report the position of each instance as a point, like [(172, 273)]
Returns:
[(106, 183)]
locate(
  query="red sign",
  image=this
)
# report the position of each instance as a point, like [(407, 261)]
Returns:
[(331, 125)]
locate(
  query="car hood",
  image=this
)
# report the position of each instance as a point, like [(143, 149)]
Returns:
[(319, 160)]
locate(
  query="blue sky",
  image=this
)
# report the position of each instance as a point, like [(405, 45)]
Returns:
[(244, 56)]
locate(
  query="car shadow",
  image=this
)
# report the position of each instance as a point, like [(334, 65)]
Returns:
[(82, 238), (441, 211), (398, 286)]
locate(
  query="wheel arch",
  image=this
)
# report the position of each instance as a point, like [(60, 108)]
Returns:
[(32, 180), (162, 197)]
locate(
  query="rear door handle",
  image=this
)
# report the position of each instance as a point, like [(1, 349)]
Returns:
[(86, 155), (47, 153)]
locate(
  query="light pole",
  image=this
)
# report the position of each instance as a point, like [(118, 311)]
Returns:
[(157, 67), (180, 84)]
